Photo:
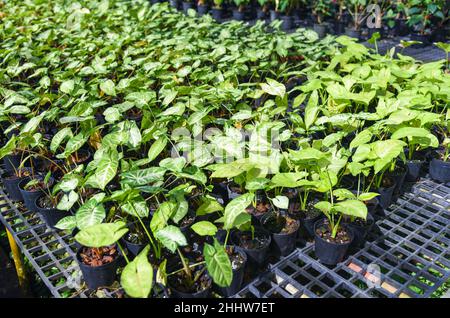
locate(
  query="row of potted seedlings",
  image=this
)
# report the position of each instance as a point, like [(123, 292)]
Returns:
[(422, 20)]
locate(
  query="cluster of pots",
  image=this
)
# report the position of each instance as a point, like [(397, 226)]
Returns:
[(306, 19)]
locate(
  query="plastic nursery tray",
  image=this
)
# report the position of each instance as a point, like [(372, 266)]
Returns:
[(50, 252), (409, 256)]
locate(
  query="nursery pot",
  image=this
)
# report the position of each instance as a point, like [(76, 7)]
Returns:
[(202, 9), (29, 197), (274, 15), (414, 169), (51, 215), (399, 175), (283, 243), (174, 3), (12, 162), (238, 15), (385, 197), (261, 14), (330, 253), (98, 276), (217, 14), (287, 22), (440, 170), (134, 248), (421, 38), (200, 294), (12, 186), (320, 29), (255, 256), (238, 276), (187, 6), (351, 32), (360, 231)]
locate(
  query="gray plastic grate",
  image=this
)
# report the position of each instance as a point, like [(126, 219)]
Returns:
[(408, 257)]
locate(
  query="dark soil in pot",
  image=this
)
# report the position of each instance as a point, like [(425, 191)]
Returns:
[(98, 265), (255, 246), (181, 288), (307, 218), (238, 260), (135, 241), (257, 211), (331, 251), (31, 194), (49, 211), (11, 183), (360, 228), (284, 232), (439, 170)]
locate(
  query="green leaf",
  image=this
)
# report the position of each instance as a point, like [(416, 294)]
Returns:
[(352, 208), (281, 202), (89, 214), (162, 215), (173, 164), (218, 264), (67, 223), (157, 147), (234, 208), (59, 137), (311, 109), (137, 276), (67, 86), (209, 205), (274, 88), (108, 87), (67, 201), (106, 168), (100, 235), (171, 237), (361, 138), (143, 177), (204, 228)]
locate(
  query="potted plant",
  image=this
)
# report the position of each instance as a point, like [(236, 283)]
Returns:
[(440, 162), (11, 182), (321, 9), (99, 253), (239, 11), (262, 9), (217, 10), (202, 7), (356, 8), (50, 204), (332, 239), (284, 10), (33, 188)]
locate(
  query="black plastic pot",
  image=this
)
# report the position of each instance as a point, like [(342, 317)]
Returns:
[(257, 257), (287, 22), (200, 294), (327, 252), (399, 175), (134, 249), (217, 14), (385, 197), (187, 5), (202, 9), (400, 28), (238, 15), (439, 170), (260, 14), (29, 197), (274, 15), (174, 3), (51, 216), (360, 231), (12, 162), (12, 186), (307, 224), (421, 38), (282, 243), (353, 33), (414, 169), (320, 29), (238, 277), (99, 276)]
